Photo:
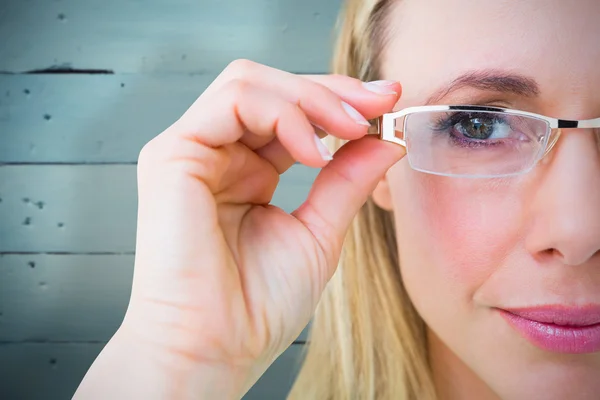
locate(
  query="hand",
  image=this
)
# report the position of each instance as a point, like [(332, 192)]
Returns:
[(222, 278)]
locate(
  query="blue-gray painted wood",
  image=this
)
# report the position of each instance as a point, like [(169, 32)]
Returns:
[(159, 35), (89, 118), (64, 298), (91, 208), (54, 371)]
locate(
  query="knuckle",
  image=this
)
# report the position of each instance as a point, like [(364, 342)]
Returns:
[(241, 67), (149, 157), (147, 153), (325, 96), (312, 95), (152, 151), (315, 97), (290, 111), (237, 88)]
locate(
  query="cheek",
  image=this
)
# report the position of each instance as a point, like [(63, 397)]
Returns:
[(452, 233)]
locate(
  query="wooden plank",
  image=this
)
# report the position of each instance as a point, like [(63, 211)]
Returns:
[(68, 209), (90, 208), (89, 118), (64, 298), (158, 35), (44, 371), (54, 371)]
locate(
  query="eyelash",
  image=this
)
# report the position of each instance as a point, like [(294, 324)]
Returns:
[(443, 123)]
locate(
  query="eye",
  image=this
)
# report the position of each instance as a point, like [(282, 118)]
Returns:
[(476, 128), (482, 128)]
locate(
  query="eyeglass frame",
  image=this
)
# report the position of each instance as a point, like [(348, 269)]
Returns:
[(385, 125)]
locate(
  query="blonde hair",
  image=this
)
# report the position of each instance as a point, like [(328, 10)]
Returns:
[(366, 341)]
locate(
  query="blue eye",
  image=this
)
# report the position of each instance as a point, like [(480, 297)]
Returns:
[(480, 128), (474, 128)]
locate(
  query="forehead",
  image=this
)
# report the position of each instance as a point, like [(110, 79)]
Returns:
[(557, 42)]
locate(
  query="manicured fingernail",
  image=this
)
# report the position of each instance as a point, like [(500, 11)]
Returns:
[(325, 154), (355, 115), (380, 87)]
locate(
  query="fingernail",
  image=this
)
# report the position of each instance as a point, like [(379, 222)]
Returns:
[(380, 87), (323, 150), (355, 115)]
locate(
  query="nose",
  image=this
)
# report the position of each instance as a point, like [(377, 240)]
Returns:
[(565, 211)]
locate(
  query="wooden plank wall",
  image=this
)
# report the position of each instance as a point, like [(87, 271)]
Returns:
[(83, 85)]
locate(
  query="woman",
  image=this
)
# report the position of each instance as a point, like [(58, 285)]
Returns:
[(469, 269)]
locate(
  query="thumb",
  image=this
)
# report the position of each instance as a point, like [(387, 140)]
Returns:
[(342, 187)]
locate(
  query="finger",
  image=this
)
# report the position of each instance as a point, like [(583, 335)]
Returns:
[(363, 96), (367, 99), (239, 108), (348, 89), (342, 187), (323, 106), (279, 157)]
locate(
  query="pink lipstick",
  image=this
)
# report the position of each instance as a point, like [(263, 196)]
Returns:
[(559, 329)]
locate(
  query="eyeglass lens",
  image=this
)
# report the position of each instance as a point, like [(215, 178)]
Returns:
[(473, 143)]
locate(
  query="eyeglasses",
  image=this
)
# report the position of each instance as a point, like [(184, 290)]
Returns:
[(473, 141)]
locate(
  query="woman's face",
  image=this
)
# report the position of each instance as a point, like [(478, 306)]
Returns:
[(470, 248)]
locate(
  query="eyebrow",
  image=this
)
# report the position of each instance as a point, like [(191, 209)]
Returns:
[(489, 80)]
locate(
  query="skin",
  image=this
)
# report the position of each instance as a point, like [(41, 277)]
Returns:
[(224, 281), (467, 246)]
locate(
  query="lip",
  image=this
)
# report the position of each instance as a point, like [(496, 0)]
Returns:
[(560, 329)]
